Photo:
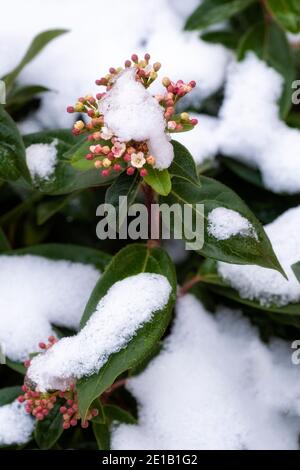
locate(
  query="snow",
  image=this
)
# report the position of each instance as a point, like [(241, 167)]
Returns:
[(224, 223), (131, 112), (215, 385), (36, 292), (127, 306), (16, 425), (202, 142), (266, 285), (69, 67), (251, 130), (41, 159)]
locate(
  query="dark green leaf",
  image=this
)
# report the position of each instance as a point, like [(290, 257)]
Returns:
[(16, 366), (243, 171), (9, 394), (12, 151), (183, 164), (124, 185), (102, 435), (270, 44), (38, 43), (296, 269), (115, 413), (237, 249), (4, 243), (75, 253), (229, 39), (129, 261), (22, 95), (286, 12), (159, 180), (46, 210), (49, 430), (214, 11), (47, 137)]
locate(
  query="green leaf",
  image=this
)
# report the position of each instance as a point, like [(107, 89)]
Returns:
[(159, 180), (46, 210), (36, 46), (214, 11), (115, 413), (183, 164), (237, 249), (102, 435), (9, 394), (65, 179), (133, 259), (270, 44), (4, 243), (16, 366), (48, 431), (286, 13), (124, 185), (47, 136), (243, 171), (229, 39), (22, 95), (75, 253), (12, 150), (296, 269)]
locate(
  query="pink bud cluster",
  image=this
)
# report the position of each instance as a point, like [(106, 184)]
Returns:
[(106, 151), (39, 404)]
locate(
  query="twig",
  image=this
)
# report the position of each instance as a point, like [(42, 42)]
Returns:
[(187, 286)]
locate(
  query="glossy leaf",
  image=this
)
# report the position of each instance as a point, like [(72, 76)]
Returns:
[(9, 394), (296, 269), (183, 164), (48, 431), (215, 11), (12, 150), (237, 249), (133, 259), (126, 186), (159, 180), (36, 46), (102, 435), (286, 12)]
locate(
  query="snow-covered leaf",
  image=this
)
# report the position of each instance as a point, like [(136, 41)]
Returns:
[(130, 261), (240, 250)]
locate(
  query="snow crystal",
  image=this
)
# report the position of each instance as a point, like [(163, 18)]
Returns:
[(16, 425), (41, 159), (127, 305), (212, 387), (202, 142), (57, 67), (224, 223), (251, 130), (36, 292), (266, 285), (131, 112)]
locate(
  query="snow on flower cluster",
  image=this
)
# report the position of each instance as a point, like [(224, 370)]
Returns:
[(266, 285), (16, 425), (224, 223), (223, 375), (127, 305), (129, 128), (36, 293)]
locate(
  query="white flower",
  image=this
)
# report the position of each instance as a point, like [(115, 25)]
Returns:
[(138, 160), (118, 149), (106, 133)]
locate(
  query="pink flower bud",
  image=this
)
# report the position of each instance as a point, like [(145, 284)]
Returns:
[(194, 121), (42, 345), (62, 409), (21, 399), (134, 58), (70, 412), (112, 70), (105, 173), (127, 157), (127, 63), (147, 57), (27, 363), (66, 425), (39, 416), (95, 412), (117, 167), (91, 113), (84, 424), (192, 83), (130, 171), (73, 422), (70, 109), (143, 172)]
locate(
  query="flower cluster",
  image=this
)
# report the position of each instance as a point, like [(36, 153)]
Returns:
[(39, 404), (106, 151)]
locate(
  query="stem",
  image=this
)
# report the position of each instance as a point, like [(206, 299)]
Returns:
[(119, 383), (187, 286), (154, 223)]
